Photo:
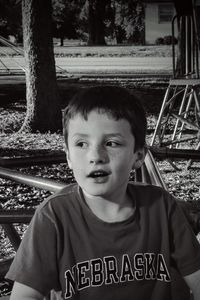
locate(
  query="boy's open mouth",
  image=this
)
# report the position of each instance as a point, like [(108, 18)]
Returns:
[(98, 173)]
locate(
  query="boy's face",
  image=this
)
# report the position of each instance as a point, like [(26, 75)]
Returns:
[(101, 154)]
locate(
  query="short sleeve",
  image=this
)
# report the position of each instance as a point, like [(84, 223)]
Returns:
[(185, 248), (35, 263)]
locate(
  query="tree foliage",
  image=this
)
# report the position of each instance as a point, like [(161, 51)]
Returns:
[(66, 18), (94, 15), (10, 19), (129, 20), (94, 21)]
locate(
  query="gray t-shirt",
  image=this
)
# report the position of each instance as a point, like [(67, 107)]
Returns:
[(67, 248)]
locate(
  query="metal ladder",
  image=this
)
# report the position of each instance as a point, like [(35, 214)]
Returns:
[(179, 117)]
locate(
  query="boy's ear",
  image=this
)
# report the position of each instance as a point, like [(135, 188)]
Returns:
[(141, 153), (68, 157)]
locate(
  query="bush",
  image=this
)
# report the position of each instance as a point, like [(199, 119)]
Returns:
[(159, 41), (168, 40)]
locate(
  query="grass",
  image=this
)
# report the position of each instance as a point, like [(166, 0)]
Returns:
[(76, 50), (114, 51)]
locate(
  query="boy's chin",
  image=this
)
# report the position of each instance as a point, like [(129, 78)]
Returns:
[(96, 192)]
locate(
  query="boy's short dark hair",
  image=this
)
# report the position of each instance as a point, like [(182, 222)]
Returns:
[(113, 100)]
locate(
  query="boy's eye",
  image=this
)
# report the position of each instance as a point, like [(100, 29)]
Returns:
[(112, 143), (81, 144)]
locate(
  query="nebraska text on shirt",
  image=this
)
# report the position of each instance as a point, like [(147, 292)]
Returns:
[(109, 270)]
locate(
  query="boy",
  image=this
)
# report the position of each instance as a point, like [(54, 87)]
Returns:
[(104, 237)]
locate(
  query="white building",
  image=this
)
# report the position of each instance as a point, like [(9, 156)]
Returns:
[(158, 17)]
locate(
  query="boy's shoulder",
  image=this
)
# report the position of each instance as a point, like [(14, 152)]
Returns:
[(62, 197), (150, 194), (147, 188)]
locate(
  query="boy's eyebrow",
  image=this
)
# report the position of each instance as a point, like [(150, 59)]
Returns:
[(105, 135)]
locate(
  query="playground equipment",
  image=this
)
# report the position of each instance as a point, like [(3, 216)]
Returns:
[(179, 118), (14, 62), (10, 50)]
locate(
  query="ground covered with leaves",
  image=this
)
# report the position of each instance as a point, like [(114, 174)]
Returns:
[(183, 184)]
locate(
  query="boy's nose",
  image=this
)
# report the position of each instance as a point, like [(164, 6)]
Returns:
[(97, 155)]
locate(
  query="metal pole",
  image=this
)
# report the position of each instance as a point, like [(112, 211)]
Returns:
[(173, 46), (16, 216), (12, 234), (4, 266), (164, 152), (153, 171), (36, 160), (180, 111), (41, 183), (158, 124)]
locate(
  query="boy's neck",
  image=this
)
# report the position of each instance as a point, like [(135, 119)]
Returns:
[(111, 211)]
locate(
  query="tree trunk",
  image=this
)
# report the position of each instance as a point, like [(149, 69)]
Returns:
[(96, 24), (61, 41), (43, 109)]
